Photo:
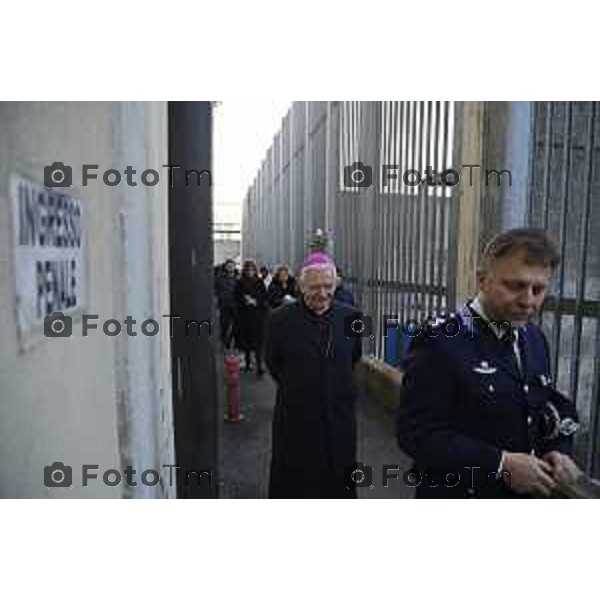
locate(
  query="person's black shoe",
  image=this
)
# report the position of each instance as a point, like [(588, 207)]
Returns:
[(247, 368), (260, 373)]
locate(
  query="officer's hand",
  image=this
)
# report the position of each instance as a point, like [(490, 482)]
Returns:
[(529, 476), (564, 470)]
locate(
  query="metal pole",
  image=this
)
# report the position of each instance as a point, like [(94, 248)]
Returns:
[(191, 284)]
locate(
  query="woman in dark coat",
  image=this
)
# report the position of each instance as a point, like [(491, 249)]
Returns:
[(251, 301), (282, 289)]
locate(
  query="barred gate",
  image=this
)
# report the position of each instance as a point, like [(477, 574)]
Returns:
[(564, 181)]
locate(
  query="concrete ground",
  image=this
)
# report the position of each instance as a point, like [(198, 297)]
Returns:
[(245, 446)]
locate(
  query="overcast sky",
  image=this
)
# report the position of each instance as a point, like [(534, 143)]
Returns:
[(243, 132)]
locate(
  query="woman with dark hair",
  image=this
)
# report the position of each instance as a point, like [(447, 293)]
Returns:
[(283, 288), (251, 301)]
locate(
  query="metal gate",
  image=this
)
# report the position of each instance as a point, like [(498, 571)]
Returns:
[(392, 238), (564, 180)]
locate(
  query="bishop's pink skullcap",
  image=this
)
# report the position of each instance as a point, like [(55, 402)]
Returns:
[(318, 259)]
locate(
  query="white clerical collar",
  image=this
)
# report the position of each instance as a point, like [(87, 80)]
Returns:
[(499, 331)]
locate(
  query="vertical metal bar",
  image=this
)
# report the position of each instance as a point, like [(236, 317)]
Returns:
[(593, 462), (584, 230), (428, 194), (355, 206), (292, 216), (419, 201), (349, 197), (328, 225), (378, 139), (563, 233), (547, 159), (359, 262), (418, 214), (290, 222), (391, 215), (405, 265), (435, 204), (412, 196), (394, 206), (532, 171), (308, 200), (347, 213), (340, 224), (373, 144), (404, 225), (283, 197), (443, 255), (384, 246), (278, 209)]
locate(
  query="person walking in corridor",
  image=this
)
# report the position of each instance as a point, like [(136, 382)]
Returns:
[(282, 289), (225, 282), (251, 301), (478, 411), (311, 358)]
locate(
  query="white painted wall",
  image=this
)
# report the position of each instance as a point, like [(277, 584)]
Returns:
[(96, 400)]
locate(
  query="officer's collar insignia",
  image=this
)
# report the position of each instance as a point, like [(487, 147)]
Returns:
[(484, 368)]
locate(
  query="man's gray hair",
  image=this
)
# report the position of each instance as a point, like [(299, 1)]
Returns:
[(318, 267)]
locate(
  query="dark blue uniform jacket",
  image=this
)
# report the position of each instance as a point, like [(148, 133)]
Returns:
[(464, 400)]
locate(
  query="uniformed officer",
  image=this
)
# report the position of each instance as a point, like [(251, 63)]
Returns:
[(478, 411)]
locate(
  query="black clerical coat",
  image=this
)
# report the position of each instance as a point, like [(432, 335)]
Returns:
[(314, 424)]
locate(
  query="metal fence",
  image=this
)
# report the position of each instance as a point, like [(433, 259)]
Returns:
[(564, 181), (397, 243), (391, 239)]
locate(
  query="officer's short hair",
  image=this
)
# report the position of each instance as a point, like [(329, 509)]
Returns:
[(538, 248)]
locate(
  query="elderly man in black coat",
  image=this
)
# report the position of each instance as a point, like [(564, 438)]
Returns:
[(311, 359)]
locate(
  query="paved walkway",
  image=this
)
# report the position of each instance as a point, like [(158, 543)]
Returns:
[(245, 447)]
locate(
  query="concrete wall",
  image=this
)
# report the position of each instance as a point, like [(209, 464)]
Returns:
[(98, 399)]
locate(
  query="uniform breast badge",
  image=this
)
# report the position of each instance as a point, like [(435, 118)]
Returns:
[(484, 368)]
